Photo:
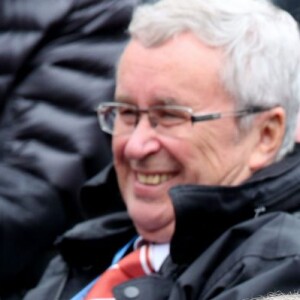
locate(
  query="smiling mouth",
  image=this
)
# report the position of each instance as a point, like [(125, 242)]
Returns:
[(153, 179)]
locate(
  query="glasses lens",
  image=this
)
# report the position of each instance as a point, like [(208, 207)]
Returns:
[(121, 118), (117, 118), (106, 117), (169, 116), (126, 115)]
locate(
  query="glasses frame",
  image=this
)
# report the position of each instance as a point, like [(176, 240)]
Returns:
[(194, 117)]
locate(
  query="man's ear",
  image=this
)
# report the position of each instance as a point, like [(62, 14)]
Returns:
[(269, 133)]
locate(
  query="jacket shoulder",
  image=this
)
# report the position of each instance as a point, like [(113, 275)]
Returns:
[(259, 262), (54, 277)]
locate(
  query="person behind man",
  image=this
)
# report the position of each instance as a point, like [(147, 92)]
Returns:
[(56, 59), (203, 128)]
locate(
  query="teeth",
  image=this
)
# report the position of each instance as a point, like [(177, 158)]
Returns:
[(152, 179)]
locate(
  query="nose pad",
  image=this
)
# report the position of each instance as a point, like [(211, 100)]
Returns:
[(153, 121)]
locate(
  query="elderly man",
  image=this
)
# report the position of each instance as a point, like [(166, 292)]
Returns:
[(203, 131)]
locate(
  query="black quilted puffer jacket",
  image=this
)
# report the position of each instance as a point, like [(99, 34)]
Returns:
[(57, 63)]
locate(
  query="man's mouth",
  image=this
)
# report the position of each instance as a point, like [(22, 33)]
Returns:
[(153, 179)]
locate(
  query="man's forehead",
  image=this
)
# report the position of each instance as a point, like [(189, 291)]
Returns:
[(183, 68)]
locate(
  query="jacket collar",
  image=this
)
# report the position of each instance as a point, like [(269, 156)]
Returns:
[(92, 244), (203, 213), (101, 195)]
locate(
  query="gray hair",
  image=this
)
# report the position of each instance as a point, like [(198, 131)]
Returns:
[(279, 297), (261, 44)]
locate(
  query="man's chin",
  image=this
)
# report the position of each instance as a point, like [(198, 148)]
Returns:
[(155, 234), (155, 238)]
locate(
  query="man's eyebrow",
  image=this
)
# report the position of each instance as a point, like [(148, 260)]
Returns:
[(122, 98), (153, 101), (167, 101)]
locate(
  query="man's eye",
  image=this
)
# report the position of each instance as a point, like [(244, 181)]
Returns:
[(127, 115), (170, 117), (169, 114), (126, 111)]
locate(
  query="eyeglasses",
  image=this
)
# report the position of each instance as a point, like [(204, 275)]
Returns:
[(118, 118)]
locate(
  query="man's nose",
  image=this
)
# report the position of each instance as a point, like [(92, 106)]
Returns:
[(143, 140)]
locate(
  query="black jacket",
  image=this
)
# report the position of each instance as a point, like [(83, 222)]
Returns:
[(290, 6), (230, 242), (57, 63)]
